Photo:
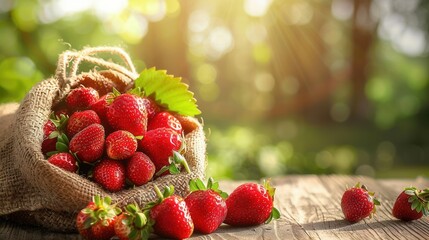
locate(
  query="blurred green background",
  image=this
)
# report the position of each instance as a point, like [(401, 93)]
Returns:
[(285, 86)]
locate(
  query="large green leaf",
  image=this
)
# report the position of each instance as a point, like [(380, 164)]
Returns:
[(169, 91)]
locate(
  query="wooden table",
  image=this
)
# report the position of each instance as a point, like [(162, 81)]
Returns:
[(310, 207)]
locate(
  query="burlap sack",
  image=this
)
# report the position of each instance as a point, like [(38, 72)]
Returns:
[(36, 192)]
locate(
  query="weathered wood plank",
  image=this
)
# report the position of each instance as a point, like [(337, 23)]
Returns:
[(314, 204), (310, 207)]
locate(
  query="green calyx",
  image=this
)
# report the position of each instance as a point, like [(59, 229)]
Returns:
[(275, 213), (112, 95), (62, 145), (60, 123), (374, 200), (103, 212), (168, 191), (197, 184), (138, 221), (176, 161), (419, 199)]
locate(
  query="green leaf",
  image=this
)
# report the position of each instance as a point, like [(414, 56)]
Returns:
[(97, 200), (200, 184), (224, 195), (107, 200), (214, 185), (419, 207), (140, 220), (173, 169), (193, 185), (168, 91), (425, 211), (131, 208), (168, 191), (162, 170), (275, 214), (414, 204), (89, 222), (51, 153), (61, 147), (409, 192), (65, 139), (376, 202), (53, 134)]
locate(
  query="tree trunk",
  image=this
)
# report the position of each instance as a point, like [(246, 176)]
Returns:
[(363, 30)]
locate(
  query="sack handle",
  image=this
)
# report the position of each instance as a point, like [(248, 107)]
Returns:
[(77, 57)]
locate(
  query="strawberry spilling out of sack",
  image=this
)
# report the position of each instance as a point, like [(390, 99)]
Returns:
[(171, 216), (122, 139)]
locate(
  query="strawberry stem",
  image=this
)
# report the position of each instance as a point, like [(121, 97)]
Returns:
[(158, 192)]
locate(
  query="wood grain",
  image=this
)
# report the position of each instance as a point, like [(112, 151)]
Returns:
[(310, 207)]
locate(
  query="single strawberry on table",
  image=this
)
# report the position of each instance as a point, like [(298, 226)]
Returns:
[(125, 113), (411, 204), (88, 144), (81, 98), (139, 169), (65, 161), (110, 174), (207, 205), (251, 204), (358, 203), (133, 223), (80, 120), (171, 215), (97, 220)]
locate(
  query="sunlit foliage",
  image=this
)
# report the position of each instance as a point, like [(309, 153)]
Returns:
[(285, 86)]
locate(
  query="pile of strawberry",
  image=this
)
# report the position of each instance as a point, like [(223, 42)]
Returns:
[(171, 216), (121, 139), (358, 203)]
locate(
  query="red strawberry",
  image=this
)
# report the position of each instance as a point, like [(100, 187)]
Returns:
[(48, 144), (151, 107), (65, 161), (165, 120), (121, 145), (171, 215), (100, 107), (96, 221), (140, 169), (189, 124), (251, 204), (81, 120), (411, 204), (88, 144), (133, 224), (110, 174), (159, 145), (125, 113), (81, 98), (206, 205), (357, 203), (51, 130)]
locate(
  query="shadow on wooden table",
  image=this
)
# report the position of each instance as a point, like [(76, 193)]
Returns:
[(310, 209)]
